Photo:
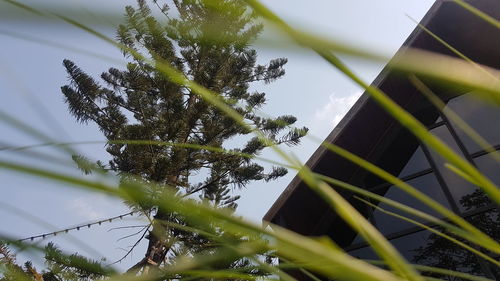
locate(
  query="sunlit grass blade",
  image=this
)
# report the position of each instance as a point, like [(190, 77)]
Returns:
[(61, 46), (357, 160), (385, 249), (25, 151), (409, 210), (275, 270), (441, 271), (477, 236), (420, 131), (366, 193), (228, 243), (287, 264), (416, 61), (47, 225), (69, 260), (478, 13), (421, 268), (31, 131), (445, 236), (359, 223), (451, 48), (25, 7), (220, 275), (461, 174), (286, 244), (302, 249), (82, 183), (449, 71), (220, 150), (394, 109), (455, 118), (243, 249), (349, 187)]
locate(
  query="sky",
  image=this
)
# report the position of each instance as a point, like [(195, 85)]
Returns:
[(31, 75)]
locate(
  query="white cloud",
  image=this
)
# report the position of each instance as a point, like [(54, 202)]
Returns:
[(334, 110), (83, 208)]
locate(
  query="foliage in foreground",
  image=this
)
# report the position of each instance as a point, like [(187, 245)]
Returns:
[(237, 249)]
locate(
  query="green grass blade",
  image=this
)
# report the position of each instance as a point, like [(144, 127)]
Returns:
[(441, 271), (292, 245), (386, 250), (419, 130), (286, 243), (341, 184), (478, 236), (47, 225), (489, 19), (394, 109), (452, 49), (409, 210), (455, 118), (459, 243), (359, 223), (31, 131)]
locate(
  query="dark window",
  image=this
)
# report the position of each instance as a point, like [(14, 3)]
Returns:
[(489, 166), (456, 184), (365, 253), (430, 249), (489, 223), (400, 155), (427, 248), (417, 163), (358, 240), (410, 245), (482, 116), (427, 184)]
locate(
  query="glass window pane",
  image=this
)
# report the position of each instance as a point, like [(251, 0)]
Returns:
[(426, 248), (427, 184), (430, 249), (482, 116), (358, 240), (489, 223), (417, 163), (399, 154), (365, 253), (457, 185), (489, 166)]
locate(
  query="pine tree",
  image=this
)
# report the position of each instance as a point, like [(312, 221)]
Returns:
[(60, 267), (209, 41)]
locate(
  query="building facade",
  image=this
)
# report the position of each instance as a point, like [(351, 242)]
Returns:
[(368, 131)]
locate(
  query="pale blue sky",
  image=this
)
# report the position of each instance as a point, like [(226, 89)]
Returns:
[(31, 75)]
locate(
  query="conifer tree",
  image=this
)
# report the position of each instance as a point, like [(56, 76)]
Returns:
[(209, 42), (60, 267)]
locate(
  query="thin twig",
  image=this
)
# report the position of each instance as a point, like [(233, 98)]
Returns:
[(130, 226), (132, 248), (130, 235)]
